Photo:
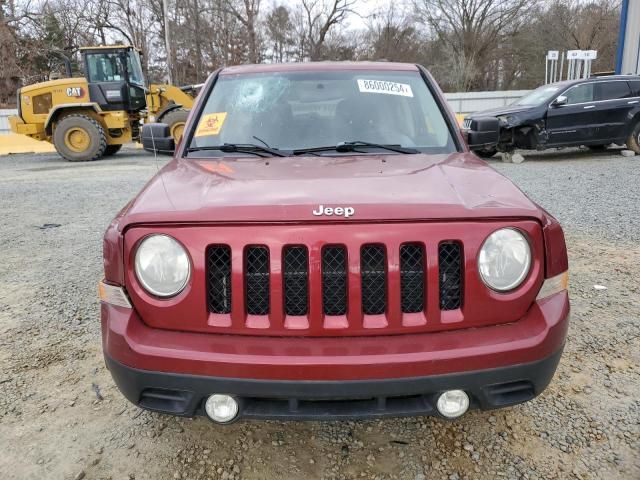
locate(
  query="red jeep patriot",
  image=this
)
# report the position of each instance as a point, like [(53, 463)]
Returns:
[(323, 245)]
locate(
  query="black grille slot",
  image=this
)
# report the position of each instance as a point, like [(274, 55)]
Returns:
[(219, 279), (510, 393), (412, 278), (374, 282), (256, 276), (296, 281), (334, 280), (450, 263)]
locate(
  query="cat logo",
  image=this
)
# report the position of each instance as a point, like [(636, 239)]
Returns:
[(75, 92)]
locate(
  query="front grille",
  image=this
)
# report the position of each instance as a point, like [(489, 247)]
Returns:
[(412, 278), (289, 284), (296, 281), (256, 277), (219, 279), (450, 266), (374, 279), (334, 280)]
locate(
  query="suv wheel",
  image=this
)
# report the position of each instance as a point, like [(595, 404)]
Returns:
[(633, 142)]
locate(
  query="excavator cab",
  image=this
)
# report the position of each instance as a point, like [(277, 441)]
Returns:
[(115, 79)]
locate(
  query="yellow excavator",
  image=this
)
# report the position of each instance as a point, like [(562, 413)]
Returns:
[(92, 116)]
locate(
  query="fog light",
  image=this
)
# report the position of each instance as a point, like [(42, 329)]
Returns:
[(453, 403), (221, 408)]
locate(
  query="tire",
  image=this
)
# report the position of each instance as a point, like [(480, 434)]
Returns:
[(79, 138), (112, 150), (633, 142), (176, 120), (486, 153)]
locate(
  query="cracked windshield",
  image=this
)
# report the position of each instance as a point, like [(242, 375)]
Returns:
[(292, 112)]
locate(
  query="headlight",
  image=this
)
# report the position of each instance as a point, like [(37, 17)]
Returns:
[(508, 120), (504, 260), (162, 265)]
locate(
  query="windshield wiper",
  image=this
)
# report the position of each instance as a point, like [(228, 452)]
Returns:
[(353, 146), (240, 148)]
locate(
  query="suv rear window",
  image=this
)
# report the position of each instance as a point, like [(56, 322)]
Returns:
[(300, 110), (635, 88), (612, 90)]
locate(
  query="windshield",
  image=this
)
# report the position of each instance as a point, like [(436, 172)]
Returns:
[(109, 67), (538, 96), (301, 110), (134, 67)]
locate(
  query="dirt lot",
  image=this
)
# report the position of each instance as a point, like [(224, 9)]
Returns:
[(61, 417)]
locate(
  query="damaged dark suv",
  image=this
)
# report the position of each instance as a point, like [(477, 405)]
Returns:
[(593, 112)]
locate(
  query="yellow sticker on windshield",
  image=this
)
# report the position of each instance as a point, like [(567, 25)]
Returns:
[(210, 124)]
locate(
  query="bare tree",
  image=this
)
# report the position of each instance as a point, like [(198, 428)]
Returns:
[(247, 12), (392, 35), (279, 31), (467, 44), (470, 29), (319, 17)]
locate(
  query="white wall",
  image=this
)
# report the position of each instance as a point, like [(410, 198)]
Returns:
[(4, 120), (469, 102)]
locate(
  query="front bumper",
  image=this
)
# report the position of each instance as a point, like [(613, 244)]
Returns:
[(184, 395), (321, 378)]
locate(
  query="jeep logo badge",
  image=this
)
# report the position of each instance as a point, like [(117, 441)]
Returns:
[(345, 212)]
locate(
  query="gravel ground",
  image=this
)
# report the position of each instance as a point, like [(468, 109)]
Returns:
[(61, 417)]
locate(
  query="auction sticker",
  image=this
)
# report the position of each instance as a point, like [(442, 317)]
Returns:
[(211, 124), (384, 87)]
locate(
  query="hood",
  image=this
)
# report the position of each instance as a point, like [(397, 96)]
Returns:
[(495, 112), (290, 189)]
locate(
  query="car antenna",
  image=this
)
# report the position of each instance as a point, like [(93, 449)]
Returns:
[(155, 159)]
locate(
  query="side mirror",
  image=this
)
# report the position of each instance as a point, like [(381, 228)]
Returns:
[(156, 138), (482, 132), (560, 101)]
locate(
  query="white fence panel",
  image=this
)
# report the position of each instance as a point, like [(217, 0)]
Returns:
[(4, 121), (469, 102)]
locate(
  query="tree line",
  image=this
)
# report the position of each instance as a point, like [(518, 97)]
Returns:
[(467, 44)]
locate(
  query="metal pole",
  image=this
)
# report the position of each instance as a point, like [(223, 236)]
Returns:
[(622, 30), (167, 39), (561, 64), (546, 70)]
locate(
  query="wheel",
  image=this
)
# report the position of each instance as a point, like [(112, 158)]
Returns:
[(633, 142), (486, 153), (79, 138), (598, 148), (176, 120), (112, 150)]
